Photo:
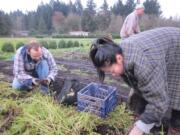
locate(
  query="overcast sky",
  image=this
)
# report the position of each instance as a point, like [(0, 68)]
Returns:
[(169, 7)]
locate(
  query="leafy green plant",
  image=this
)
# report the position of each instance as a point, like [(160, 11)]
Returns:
[(44, 44), (19, 44), (61, 44), (76, 44), (69, 44), (7, 47), (52, 45)]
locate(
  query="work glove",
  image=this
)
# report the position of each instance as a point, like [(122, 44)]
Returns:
[(135, 131), (46, 81), (36, 81)]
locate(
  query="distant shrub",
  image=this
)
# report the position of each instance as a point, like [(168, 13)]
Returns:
[(69, 44), (39, 36), (7, 47), (61, 44), (81, 45), (76, 44), (52, 45), (44, 44), (19, 44)]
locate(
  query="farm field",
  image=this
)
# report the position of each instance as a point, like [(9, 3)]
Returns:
[(30, 113)]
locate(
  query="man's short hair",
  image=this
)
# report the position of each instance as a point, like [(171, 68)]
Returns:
[(34, 45)]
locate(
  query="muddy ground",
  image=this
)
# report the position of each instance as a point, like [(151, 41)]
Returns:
[(81, 70)]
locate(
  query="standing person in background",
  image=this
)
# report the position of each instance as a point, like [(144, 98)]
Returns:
[(34, 65), (131, 23)]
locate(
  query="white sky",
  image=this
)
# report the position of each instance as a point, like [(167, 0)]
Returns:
[(169, 7)]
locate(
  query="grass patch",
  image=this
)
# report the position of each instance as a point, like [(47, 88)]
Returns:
[(37, 114), (6, 56)]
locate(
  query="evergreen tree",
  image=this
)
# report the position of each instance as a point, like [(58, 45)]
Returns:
[(103, 18), (105, 6), (88, 18), (61, 7), (5, 24), (79, 7), (72, 7), (32, 22), (118, 8), (88, 22), (44, 15), (42, 29), (129, 7), (152, 7), (17, 18), (91, 7)]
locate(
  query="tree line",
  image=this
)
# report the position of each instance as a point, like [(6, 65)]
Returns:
[(57, 17)]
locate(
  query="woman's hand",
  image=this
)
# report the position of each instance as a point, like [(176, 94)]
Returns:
[(135, 131)]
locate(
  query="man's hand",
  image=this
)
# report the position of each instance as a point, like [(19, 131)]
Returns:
[(136, 131), (46, 81), (36, 81)]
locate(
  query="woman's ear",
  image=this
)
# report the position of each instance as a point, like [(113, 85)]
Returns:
[(119, 58)]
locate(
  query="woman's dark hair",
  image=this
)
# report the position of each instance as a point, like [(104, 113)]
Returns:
[(103, 53)]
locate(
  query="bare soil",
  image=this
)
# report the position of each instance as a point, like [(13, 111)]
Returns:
[(78, 69)]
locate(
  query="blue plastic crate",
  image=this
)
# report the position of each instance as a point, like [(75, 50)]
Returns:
[(98, 99)]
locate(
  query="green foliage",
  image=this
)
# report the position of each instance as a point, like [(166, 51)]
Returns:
[(7, 47), (44, 116), (40, 36), (39, 114), (52, 45), (152, 7), (61, 44), (129, 6), (19, 44), (6, 55), (81, 45), (76, 44), (69, 44), (79, 7), (44, 44), (88, 17), (42, 28), (88, 21), (5, 24), (120, 117)]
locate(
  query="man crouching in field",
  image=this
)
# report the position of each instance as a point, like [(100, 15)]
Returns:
[(150, 63), (34, 65)]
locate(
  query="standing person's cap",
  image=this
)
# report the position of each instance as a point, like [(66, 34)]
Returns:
[(139, 6)]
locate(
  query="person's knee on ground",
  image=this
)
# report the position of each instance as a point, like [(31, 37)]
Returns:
[(43, 71), (24, 85)]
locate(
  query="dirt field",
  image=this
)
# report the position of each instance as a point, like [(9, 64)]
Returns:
[(80, 69)]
